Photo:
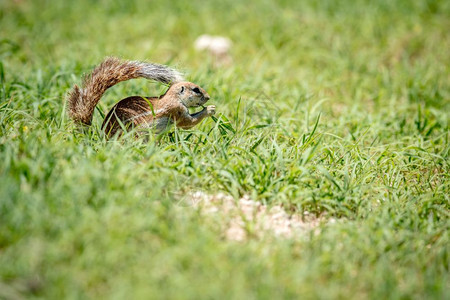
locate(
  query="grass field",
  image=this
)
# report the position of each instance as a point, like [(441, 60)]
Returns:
[(337, 108)]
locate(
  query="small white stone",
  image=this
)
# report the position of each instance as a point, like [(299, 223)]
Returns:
[(215, 44)]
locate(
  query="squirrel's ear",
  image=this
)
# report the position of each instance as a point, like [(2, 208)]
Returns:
[(182, 90)]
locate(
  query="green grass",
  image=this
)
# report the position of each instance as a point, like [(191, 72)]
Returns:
[(339, 108)]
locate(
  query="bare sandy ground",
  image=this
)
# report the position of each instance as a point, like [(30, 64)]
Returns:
[(243, 218)]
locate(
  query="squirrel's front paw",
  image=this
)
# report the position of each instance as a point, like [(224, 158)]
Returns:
[(211, 110)]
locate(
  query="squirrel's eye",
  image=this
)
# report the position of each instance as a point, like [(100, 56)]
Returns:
[(196, 90)]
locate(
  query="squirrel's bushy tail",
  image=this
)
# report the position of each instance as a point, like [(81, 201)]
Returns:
[(82, 101)]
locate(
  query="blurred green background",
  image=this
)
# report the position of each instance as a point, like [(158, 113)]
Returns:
[(337, 108)]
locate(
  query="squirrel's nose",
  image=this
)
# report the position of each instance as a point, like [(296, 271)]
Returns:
[(206, 96)]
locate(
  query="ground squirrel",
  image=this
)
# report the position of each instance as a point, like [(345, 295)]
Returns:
[(156, 113)]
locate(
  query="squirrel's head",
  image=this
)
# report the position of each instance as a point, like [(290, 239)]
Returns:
[(190, 94)]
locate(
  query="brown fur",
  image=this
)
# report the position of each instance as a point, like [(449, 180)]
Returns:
[(152, 112), (156, 113)]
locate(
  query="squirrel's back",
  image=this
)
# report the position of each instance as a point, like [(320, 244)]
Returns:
[(82, 101)]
